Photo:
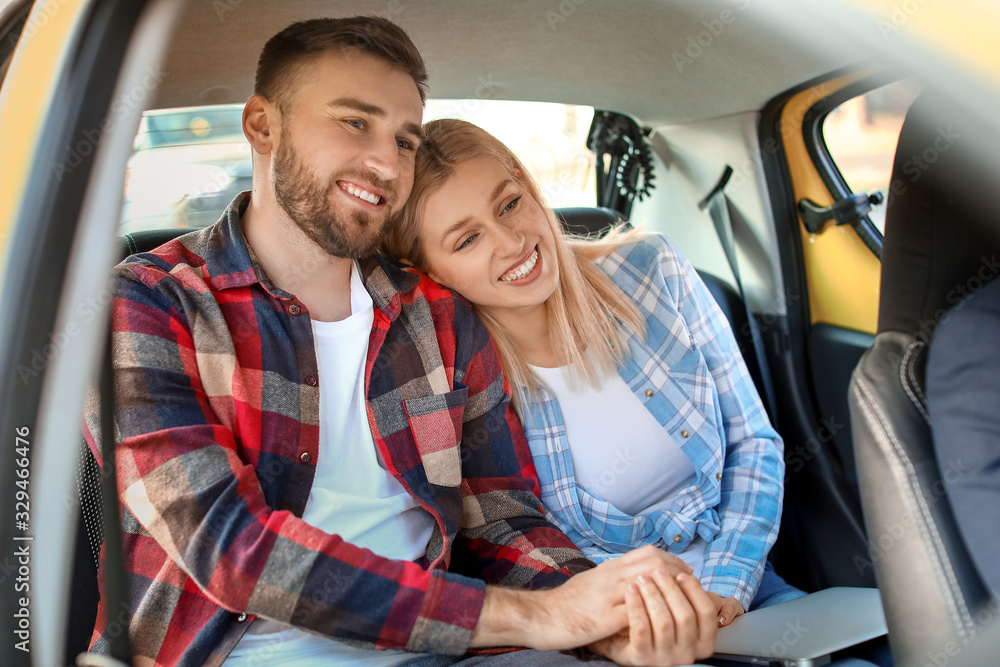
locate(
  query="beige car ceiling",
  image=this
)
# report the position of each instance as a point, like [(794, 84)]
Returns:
[(662, 61)]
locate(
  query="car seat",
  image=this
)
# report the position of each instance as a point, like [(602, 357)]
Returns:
[(935, 240)]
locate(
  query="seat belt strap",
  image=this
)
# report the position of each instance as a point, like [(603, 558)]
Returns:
[(718, 208)]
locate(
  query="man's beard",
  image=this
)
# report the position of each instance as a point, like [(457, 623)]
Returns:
[(307, 201)]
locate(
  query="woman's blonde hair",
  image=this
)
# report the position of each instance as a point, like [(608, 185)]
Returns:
[(585, 310)]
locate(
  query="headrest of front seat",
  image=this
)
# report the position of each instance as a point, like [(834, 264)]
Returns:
[(942, 222), (592, 221)]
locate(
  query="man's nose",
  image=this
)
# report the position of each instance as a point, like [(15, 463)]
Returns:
[(383, 157)]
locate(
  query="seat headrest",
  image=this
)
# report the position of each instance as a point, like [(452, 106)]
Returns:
[(942, 237), (590, 221), (144, 241)]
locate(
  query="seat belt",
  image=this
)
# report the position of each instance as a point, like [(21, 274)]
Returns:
[(718, 206)]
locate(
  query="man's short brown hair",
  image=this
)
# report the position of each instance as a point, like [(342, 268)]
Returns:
[(282, 57)]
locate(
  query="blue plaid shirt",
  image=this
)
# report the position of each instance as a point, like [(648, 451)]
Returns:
[(689, 374)]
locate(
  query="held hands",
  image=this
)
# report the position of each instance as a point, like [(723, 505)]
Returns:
[(589, 607), (671, 621), (644, 608)]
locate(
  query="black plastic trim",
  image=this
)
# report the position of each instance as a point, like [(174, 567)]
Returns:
[(819, 152), (42, 233)]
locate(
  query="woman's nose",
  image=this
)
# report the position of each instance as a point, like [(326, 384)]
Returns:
[(511, 240)]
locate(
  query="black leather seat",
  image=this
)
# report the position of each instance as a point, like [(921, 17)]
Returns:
[(934, 241)]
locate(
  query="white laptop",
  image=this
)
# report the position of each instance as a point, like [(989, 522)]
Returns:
[(804, 632)]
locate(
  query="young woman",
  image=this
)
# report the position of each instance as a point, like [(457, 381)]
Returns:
[(643, 421)]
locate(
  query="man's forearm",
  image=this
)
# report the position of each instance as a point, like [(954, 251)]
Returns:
[(508, 618), (588, 607)]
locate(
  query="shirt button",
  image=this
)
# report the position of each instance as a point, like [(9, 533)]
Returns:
[(242, 618), (685, 433), (649, 393), (718, 476), (311, 381), (305, 457), (294, 309), (677, 538)]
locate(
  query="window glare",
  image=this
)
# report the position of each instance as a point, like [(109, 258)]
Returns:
[(188, 164), (550, 139)]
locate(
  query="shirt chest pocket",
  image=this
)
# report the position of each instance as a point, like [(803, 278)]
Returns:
[(436, 424)]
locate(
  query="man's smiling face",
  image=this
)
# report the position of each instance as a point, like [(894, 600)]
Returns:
[(344, 162)]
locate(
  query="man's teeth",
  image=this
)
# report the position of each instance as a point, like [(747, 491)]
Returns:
[(522, 270), (364, 194)]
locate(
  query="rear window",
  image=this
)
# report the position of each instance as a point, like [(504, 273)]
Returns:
[(188, 164)]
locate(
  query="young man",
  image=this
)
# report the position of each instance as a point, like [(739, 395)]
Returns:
[(316, 445)]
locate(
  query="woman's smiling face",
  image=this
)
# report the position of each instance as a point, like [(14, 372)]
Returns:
[(488, 239)]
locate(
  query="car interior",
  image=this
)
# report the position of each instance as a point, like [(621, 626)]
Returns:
[(714, 123)]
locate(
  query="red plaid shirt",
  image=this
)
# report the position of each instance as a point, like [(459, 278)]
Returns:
[(217, 410)]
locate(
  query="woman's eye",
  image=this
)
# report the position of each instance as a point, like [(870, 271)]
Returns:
[(512, 204), (467, 242)]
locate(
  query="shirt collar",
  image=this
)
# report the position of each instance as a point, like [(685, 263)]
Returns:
[(230, 264)]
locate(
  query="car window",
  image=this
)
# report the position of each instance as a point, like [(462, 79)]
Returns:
[(188, 164), (861, 136)]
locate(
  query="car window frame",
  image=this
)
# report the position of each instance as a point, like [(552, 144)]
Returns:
[(819, 152), (46, 232)]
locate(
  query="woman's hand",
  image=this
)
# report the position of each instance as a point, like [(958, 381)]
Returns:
[(726, 608), (671, 621), (590, 605)]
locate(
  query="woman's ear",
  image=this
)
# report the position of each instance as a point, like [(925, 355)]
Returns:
[(405, 262), (259, 116)]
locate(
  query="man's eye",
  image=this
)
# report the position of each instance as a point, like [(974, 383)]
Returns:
[(354, 122), (405, 144)]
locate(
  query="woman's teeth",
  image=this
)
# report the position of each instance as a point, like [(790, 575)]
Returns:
[(522, 270), (363, 194)]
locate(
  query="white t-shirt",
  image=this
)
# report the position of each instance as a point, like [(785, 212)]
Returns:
[(620, 452), (352, 495)]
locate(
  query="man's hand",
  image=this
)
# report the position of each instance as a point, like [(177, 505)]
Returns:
[(588, 607), (671, 621), (726, 609)]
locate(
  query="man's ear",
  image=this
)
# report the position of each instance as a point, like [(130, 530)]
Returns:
[(260, 118)]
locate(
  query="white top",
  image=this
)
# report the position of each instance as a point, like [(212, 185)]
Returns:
[(352, 495), (620, 453)]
